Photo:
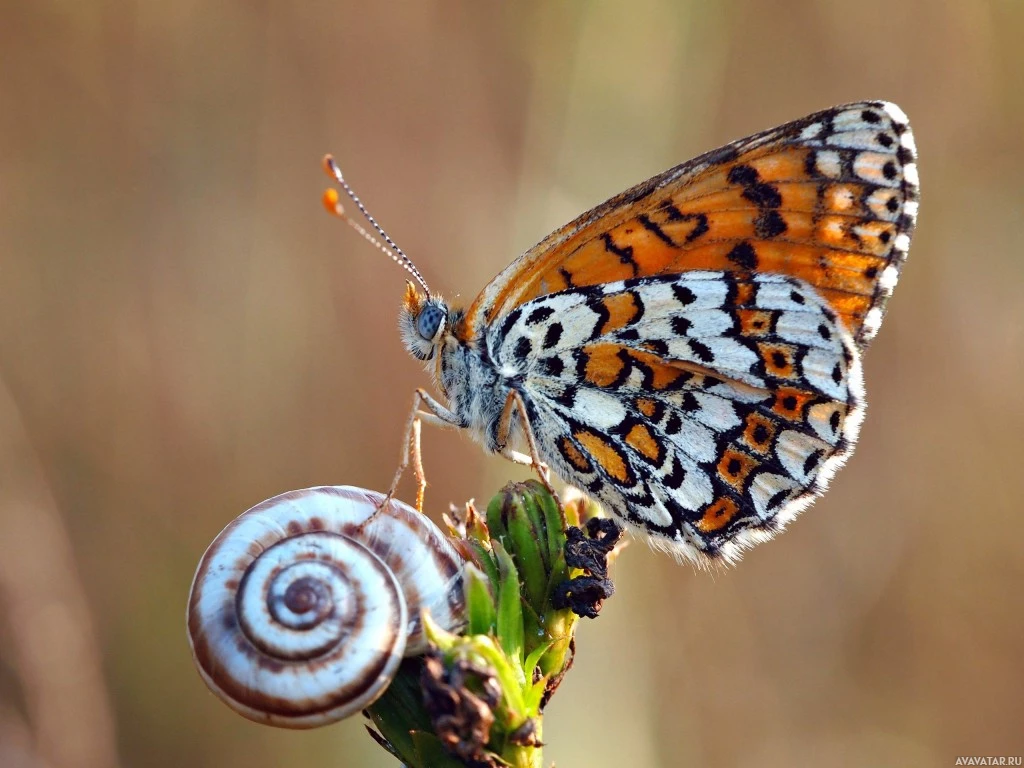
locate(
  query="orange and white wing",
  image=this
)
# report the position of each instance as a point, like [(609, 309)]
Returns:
[(705, 408), (830, 199)]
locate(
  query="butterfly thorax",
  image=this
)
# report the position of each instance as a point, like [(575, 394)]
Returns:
[(475, 389)]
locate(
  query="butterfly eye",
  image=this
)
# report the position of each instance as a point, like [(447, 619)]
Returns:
[(429, 321)]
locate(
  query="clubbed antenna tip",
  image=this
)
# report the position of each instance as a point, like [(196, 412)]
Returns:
[(332, 202)]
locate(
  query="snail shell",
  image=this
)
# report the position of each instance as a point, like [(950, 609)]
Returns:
[(302, 608)]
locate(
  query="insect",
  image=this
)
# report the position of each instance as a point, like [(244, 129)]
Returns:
[(689, 352)]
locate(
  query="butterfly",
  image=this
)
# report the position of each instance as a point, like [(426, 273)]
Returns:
[(688, 353)]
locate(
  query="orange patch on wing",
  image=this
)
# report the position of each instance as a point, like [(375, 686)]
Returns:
[(622, 310), (663, 374), (605, 454), (759, 432), (604, 365), (777, 359), (592, 265), (788, 165), (718, 515), (744, 294), (842, 198), (754, 322), (790, 403), (735, 466), (641, 440), (732, 225), (573, 456), (874, 237), (553, 282), (647, 407), (798, 195)]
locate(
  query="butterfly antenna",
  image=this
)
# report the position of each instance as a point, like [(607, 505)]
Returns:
[(334, 207)]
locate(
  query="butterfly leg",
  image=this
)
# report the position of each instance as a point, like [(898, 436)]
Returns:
[(424, 409), (515, 401)]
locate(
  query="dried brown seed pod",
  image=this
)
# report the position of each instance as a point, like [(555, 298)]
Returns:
[(303, 607)]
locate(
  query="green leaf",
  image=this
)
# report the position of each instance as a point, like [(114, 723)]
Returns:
[(532, 500), (480, 608), (534, 657), (526, 540), (483, 558), (554, 524), (510, 612)]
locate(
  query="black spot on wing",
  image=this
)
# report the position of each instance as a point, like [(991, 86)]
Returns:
[(777, 498), (539, 315), (510, 320), (689, 403), (702, 351), (673, 424), (744, 175), (655, 230), (743, 255), (675, 477), (567, 397), (553, 335), (673, 214), (683, 294), (769, 224), (551, 366), (680, 325), (811, 461), (625, 253), (763, 195)]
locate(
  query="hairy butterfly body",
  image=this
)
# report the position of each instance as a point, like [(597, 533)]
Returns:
[(689, 352)]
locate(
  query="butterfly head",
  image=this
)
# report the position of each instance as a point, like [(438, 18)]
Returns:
[(422, 321)]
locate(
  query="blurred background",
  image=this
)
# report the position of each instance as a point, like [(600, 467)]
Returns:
[(184, 332)]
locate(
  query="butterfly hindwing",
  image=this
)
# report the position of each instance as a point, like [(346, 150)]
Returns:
[(830, 199), (706, 407)]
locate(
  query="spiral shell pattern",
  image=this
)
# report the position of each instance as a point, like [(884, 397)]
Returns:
[(302, 608)]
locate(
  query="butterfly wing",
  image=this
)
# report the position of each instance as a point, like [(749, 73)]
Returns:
[(706, 408), (830, 199)]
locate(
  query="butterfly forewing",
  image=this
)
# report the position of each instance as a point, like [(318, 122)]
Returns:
[(830, 199)]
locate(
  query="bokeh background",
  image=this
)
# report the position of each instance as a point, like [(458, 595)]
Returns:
[(184, 332)]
